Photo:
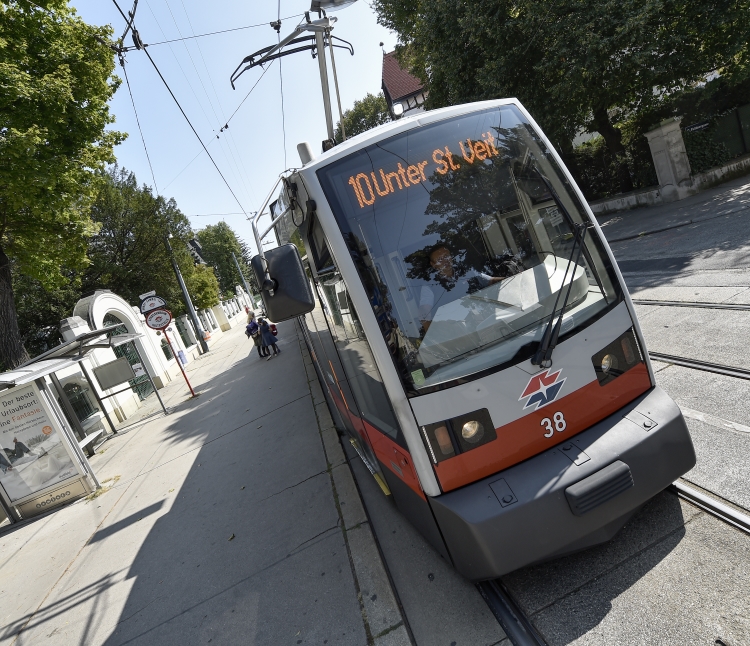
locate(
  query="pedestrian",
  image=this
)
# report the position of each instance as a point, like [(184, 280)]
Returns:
[(269, 340), (252, 330)]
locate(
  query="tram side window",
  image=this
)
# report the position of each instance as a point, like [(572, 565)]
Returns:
[(353, 348)]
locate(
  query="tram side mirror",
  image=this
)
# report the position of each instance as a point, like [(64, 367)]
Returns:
[(292, 295)]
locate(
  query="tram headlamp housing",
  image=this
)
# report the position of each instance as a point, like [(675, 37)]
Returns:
[(459, 434), (617, 358)]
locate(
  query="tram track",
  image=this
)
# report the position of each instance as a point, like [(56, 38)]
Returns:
[(711, 505), (742, 307), (515, 623), (706, 366)]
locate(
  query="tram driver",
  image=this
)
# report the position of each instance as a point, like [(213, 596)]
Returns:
[(433, 296)]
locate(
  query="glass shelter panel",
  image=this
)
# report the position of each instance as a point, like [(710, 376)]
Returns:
[(141, 385), (466, 237)]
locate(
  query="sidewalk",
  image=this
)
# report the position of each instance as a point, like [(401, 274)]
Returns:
[(234, 520), (728, 198)]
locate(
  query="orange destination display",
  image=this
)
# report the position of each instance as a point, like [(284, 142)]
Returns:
[(369, 187)]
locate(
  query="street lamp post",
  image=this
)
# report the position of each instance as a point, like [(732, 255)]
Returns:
[(186, 298), (247, 288)]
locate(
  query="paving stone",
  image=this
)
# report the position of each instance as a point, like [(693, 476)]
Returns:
[(332, 443), (377, 597), (352, 510), (397, 637)]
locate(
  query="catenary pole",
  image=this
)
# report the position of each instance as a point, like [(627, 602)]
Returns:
[(244, 282), (186, 298)]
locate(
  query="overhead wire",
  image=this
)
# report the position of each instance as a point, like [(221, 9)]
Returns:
[(234, 169), (235, 112), (223, 31), (237, 176), (235, 154), (195, 132), (281, 80), (182, 111), (138, 121), (177, 60)]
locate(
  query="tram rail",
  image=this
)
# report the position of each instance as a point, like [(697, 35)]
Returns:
[(706, 366), (712, 506), (514, 621), (695, 304)]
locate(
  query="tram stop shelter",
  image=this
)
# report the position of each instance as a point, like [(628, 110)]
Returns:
[(42, 443)]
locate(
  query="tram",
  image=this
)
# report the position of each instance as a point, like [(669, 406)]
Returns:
[(473, 335)]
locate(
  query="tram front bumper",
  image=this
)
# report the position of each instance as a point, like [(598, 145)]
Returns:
[(550, 505)]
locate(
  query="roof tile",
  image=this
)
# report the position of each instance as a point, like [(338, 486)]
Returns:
[(396, 81)]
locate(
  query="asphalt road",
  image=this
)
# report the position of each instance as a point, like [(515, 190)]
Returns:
[(708, 261)]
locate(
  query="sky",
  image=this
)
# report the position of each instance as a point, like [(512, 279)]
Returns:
[(263, 133)]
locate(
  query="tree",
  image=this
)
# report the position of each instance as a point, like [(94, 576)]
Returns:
[(575, 65), (128, 255), (40, 310), (218, 243), (55, 74), (203, 287), (366, 114)]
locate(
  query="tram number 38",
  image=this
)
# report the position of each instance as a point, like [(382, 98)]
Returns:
[(557, 423)]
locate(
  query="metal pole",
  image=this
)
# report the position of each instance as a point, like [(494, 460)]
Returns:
[(324, 82), (247, 288), (148, 374), (186, 298), (336, 85), (96, 394), (179, 363)]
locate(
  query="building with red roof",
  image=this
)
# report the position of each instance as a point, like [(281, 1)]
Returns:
[(403, 91)]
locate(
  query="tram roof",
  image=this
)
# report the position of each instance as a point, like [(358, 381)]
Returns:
[(401, 125)]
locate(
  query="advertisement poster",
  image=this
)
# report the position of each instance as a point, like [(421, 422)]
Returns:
[(32, 453)]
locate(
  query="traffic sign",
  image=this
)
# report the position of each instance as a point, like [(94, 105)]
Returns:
[(152, 302), (158, 319)]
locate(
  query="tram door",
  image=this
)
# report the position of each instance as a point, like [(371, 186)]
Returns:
[(354, 380)]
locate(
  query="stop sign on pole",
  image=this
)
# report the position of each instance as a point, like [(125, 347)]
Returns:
[(158, 319)]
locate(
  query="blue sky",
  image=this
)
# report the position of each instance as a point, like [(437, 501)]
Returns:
[(251, 153)]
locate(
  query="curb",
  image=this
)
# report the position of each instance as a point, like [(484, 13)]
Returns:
[(677, 225), (381, 614)]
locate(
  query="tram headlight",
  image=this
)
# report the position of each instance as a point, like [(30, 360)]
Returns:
[(609, 362), (472, 431), (617, 357), (459, 434)]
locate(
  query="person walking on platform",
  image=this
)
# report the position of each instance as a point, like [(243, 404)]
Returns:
[(269, 340), (252, 330)]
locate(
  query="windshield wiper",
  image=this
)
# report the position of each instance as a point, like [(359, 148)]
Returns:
[(572, 224), (543, 356)]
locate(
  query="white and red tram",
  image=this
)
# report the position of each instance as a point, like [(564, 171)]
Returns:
[(474, 336)]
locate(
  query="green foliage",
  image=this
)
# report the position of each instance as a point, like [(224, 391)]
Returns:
[(596, 171), (218, 242), (128, 255), (704, 151), (575, 65), (366, 114), (203, 287), (55, 74), (296, 240), (40, 310)]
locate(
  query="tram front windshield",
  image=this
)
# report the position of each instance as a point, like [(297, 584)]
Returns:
[(463, 233)]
